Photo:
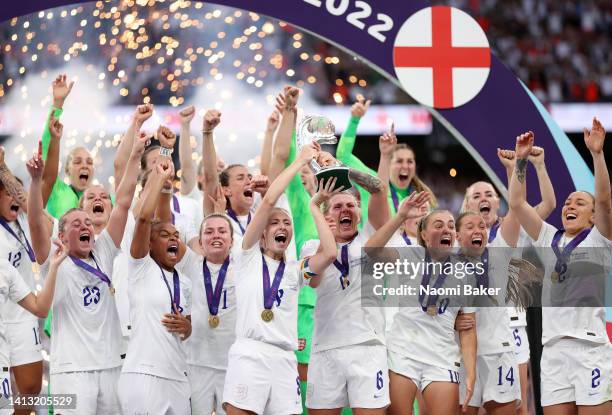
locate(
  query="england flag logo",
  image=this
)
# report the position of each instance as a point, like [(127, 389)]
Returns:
[(441, 56)]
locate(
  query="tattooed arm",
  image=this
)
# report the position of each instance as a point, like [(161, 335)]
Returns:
[(11, 184), (371, 183), (527, 215)]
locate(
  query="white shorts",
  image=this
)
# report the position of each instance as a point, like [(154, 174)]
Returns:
[(95, 390), (140, 393), (497, 379), (422, 374), (5, 390), (24, 342), (574, 370), (352, 376), (206, 390), (262, 378), (521, 344)]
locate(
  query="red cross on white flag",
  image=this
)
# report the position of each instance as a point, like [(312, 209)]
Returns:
[(441, 57)]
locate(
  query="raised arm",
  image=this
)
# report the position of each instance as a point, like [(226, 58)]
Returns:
[(55, 129), (379, 201), (11, 184), (527, 216), (212, 118), (260, 220), (468, 341), (409, 209), (287, 103), (142, 231), (344, 152), (61, 89), (327, 252), (125, 191), (40, 304), (547, 191), (266, 148), (142, 113), (188, 171), (39, 232), (594, 140)]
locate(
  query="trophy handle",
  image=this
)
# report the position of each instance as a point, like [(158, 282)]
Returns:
[(341, 174)]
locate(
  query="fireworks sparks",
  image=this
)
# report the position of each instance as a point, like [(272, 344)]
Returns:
[(163, 52)]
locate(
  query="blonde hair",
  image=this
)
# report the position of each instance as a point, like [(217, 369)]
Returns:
[(468, 192), (71, 155), (425, 221)]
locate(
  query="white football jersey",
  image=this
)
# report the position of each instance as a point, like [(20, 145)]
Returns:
[(16, 253), (419, 336), (12, 289), (492, 331), (189, 208), (152, 349), (85, 326), (208, 346), (586, 323), (282, 330), (340, 319)]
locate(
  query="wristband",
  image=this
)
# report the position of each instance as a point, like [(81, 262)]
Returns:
[(207, 131), (168, 190), (163, 151)]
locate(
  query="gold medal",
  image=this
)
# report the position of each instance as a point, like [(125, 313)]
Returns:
[(267, 315), (554, 277), (111, 289), (35, 268), (213, 321), (432, 310)]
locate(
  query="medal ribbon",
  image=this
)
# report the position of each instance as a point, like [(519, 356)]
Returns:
[(431, 300), (270, 292), (395, 196), (95, 271), (232, 214), (175, 204), (176, 301), (406, 239), (27, 246), (562, 257), (483, 280), (343, 266), (214, 297), (493, 230)]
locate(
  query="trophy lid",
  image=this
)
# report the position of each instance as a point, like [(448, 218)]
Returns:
[(316, 128)]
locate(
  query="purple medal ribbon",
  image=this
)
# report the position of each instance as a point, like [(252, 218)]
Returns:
[(176, 206), (431, 300), (343, 266), (176, 301), (270, 292), (213, 298), (493, 230), (562, 257), (406, 239), (395, 197), (483, 280), (232, 214), (95, 271), (27, 246)]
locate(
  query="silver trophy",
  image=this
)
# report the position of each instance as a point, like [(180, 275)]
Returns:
[(320, 129)]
